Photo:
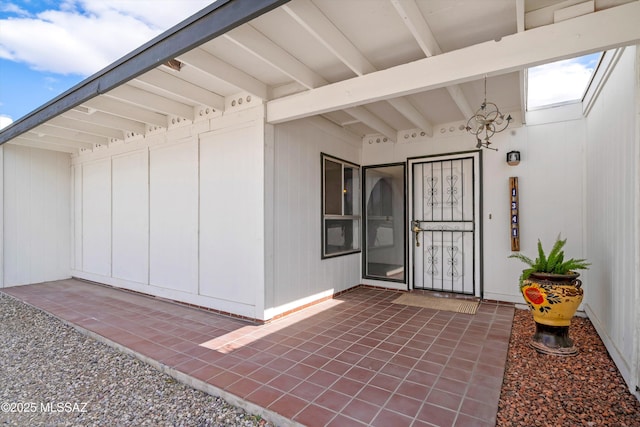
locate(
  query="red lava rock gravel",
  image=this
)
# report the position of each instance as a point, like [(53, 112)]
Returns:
[(582, 390)]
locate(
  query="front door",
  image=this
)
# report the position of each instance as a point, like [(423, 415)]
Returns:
[(444, 223)]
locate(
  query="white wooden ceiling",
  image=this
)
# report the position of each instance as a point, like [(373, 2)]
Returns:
[(374, 67)]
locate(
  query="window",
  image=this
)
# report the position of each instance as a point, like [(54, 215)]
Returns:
[(340, 207), (560, 82)]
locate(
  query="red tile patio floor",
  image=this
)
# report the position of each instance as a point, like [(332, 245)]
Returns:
[(356, 360)]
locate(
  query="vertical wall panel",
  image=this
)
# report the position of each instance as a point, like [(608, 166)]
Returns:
[(36, 215), (96, 217), (16, 173), (131, 217), (231, 215), (174, 216), (49, 197), (136, 215), (77, 217), (299, 271), (611, 227)]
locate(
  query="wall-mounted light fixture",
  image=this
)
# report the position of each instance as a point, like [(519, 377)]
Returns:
[(513, 158)]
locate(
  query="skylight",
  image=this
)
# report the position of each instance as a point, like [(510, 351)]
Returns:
[(560, 82)]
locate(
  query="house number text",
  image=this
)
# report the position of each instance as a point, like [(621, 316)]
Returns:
[(515, 221)]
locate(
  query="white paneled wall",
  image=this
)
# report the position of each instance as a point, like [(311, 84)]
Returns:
[(36, 215), (130, 216), (76, 217), (231, 196), (96, 217), (173, 242), (300, 275), (612, 285), (177, 214)]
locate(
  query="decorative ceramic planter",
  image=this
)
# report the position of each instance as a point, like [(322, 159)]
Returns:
[(553, 299)]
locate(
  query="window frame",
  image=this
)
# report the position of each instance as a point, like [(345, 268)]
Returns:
[(356, 217), (594, 80)]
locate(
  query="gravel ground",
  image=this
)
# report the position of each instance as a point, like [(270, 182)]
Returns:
[(581, 390), (51, 375)]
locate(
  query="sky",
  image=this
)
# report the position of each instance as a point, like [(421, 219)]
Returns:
[(560, 81), (48, 46)]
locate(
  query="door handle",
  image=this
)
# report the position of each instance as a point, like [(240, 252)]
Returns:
[(416, 229)]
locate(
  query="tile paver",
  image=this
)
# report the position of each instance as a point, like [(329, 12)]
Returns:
[(355, 360)]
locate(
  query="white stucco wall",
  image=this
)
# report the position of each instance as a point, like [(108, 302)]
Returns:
[(177, 214), (612, 285), (35, 215), (300, 276)]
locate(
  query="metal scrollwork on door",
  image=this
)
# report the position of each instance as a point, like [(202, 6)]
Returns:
[(453, 261), (444, 223), (431, 192), (452, 190), (432, 260)]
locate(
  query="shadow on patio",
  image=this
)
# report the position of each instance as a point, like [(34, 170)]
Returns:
[(355, 360)]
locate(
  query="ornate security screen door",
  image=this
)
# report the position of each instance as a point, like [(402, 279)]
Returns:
[(443, 223)]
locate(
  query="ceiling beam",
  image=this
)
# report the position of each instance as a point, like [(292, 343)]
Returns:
[(220, 70), (104, 119), (617, 26), (90, 128), (522, 75), (256, 43), (50, 139), (322, 29), (69, 134), (168, 83), (520, 14), (374, 122), (412, 114), (415, 22), (151, 101), (128, 111), (413, 19), (43, 145)]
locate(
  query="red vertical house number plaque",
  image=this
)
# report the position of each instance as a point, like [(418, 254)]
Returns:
[(515, 220)]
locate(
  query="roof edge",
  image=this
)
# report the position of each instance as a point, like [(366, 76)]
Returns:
[(207, 24)]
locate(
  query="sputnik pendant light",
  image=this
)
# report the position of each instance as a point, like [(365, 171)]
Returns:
[(487, 121)]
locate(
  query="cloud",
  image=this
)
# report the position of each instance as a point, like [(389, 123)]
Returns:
[(559, 81), (5, 121), (158, 14), (83, 36), (13, 9)]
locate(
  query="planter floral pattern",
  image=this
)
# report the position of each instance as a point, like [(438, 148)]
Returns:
[(540, 297), (552, 303)]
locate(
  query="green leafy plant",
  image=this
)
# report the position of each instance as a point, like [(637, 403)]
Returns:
[(553, 263)]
